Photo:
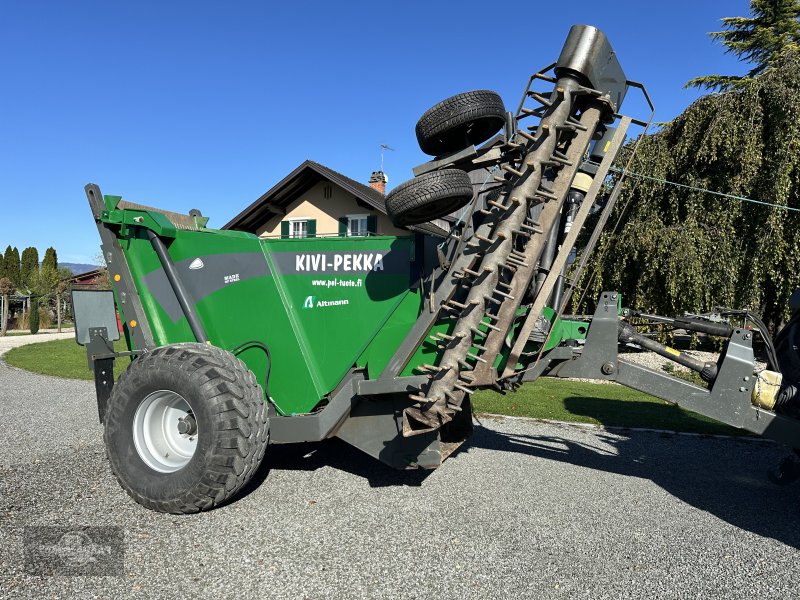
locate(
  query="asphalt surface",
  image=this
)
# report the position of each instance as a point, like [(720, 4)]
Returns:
[(523, 510)]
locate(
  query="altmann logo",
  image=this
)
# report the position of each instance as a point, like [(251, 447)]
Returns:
[(312, 302), (339, 262), (197, 263)]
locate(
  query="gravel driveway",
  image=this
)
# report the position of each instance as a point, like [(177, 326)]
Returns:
[(525, 510)]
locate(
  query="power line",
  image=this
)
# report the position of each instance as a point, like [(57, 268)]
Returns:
[(705, 191)]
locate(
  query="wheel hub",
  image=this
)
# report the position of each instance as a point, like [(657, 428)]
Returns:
[(165, 431), (187, 425)]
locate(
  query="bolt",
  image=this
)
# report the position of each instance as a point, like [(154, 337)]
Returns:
[(608, 368), (742, 389), (746, 378), (187, 425)]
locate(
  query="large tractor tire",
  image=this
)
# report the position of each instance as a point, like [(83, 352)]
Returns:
[(429, 196), (460, 121), (186, 428)]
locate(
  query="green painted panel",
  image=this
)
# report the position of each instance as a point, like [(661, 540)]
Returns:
[(317, 303)]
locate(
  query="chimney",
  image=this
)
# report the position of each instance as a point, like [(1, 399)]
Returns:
[(378, 181)]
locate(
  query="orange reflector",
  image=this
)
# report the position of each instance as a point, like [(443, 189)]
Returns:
[(117, 277), (133, 323)]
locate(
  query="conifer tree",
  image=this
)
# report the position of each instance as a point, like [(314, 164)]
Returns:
[(759, 40)]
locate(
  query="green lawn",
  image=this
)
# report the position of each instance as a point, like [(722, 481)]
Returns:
[(600, 404), (62, 358)]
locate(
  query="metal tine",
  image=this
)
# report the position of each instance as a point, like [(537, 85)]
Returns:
[(470, 272), (418, 398), (435, 368), (541, 99), (551, 163), (453, 308), (576, 123), (532, 228), (526, 135), (456, 304), (544, 77), (561, 161), (476, 357), (496, 204), (523, 233), (477, 331), (463, 388), (508, 286), (530, 221), (507, 266), (504, 295), (520, 263), (543, 193), (485, 239), (544, 130), (586, 91), (464, 364), (560, 155), (493, 300), (492, 327), (454, 407), (509, 169), (531, 112)]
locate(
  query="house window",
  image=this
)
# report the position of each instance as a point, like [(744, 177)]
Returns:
[(298, 229), (357, 225)]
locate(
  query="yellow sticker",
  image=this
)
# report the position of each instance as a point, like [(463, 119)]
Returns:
[(672, 351)]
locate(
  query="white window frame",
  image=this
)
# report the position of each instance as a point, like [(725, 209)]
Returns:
[(299, 221), (351, 218)]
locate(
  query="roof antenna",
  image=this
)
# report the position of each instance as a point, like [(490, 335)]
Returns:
[(384, 148)]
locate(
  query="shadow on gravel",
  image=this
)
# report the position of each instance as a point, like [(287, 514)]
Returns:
[(336, 454), (725, 477)]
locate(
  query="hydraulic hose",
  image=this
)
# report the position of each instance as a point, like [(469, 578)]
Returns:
[(707, 371)]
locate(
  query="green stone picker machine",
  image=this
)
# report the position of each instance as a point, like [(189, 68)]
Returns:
[(237, 342)]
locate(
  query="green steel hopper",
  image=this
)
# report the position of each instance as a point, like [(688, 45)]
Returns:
[(238, 342)]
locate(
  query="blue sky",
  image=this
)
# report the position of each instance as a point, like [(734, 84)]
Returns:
[(208, 104)]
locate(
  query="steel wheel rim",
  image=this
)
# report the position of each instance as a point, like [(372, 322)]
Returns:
[(155, 432)]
